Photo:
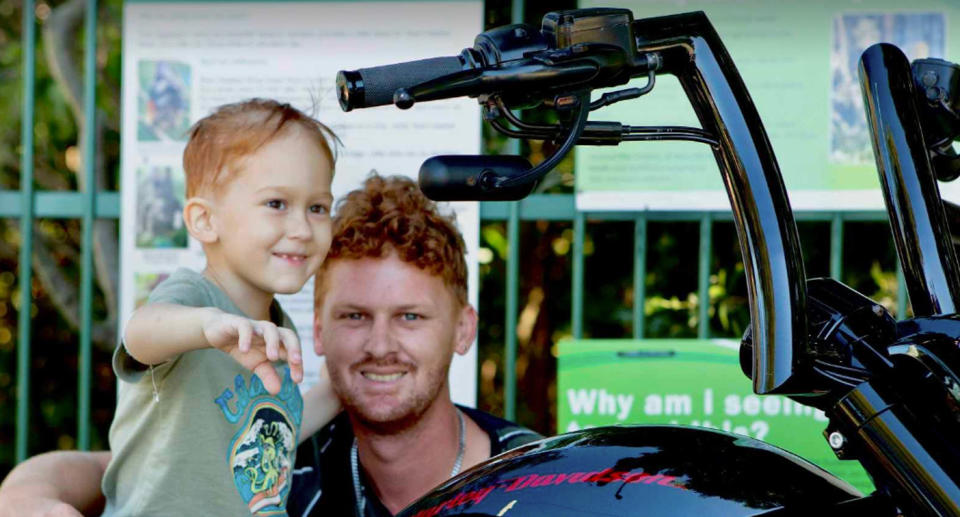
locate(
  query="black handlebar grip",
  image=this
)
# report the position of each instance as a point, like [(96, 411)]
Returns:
[(368, 87), (461, 177)]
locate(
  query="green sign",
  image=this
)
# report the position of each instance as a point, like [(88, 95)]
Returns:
[(799, 62), (687, 382)]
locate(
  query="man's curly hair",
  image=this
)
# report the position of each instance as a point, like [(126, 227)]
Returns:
[(391, 215)]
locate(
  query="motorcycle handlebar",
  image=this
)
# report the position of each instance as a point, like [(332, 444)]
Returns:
[(375, 86), (687, 46)]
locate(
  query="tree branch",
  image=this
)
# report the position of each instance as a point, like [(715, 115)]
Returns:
[(59, 34), (65, 296), (64, 293), (49, 179), (7, 252)]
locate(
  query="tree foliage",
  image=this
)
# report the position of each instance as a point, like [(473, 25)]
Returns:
[(57, 165)]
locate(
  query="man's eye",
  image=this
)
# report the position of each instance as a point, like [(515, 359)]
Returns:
[(276, 204), (410, 316), (354, 316), (318, 209)]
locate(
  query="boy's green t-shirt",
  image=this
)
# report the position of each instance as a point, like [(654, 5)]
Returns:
[(214, 441)]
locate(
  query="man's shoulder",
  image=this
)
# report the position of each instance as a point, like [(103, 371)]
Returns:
[(321, 480), (332, 440), (504, 434)]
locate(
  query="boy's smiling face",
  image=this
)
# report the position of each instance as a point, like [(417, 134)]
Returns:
[(272, 218)]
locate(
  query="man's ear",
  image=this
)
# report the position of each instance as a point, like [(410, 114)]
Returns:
[(198, 216), (317, 331), (466, 329)]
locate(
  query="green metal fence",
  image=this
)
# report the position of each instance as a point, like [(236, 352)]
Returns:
[(28, 205), (26, 229), (89, 205)]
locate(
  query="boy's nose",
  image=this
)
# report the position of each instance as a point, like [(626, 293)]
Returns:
[(298, 227)]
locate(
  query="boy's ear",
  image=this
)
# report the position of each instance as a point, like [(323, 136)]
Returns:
[(466, 329), (198, 216)]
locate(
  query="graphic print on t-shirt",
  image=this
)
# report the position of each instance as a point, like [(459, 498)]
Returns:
[(261, 453)]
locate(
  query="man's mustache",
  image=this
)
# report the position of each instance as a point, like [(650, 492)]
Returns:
[(383, 363)]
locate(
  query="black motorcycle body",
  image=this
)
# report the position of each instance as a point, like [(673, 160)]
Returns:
[(890, 389), (638, 470)]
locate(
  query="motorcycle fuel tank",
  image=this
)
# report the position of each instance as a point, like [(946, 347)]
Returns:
[(637, 471)]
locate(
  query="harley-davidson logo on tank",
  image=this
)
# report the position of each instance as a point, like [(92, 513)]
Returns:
[(534, 481)]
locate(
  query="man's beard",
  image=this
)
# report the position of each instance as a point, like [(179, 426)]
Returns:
[(397, 418)]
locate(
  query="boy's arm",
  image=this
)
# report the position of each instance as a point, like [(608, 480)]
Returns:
[(159, 332), (320, 406), (61, 483)]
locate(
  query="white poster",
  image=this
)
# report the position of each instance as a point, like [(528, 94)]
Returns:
[(181, 60), (799, 63)]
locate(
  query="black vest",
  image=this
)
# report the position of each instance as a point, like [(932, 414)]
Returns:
[(322, 479)]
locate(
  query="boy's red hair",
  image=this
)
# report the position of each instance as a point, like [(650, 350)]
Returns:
[(234, 131), (391, 215)]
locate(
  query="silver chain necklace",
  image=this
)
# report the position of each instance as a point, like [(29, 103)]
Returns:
[(355, 465)]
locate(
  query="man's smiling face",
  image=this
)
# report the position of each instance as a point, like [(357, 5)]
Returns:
[(389, 331)]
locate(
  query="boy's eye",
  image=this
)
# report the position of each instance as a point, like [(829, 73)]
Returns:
[(276, 204), (318, 209)]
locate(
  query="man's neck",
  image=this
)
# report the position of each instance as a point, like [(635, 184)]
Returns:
[(402, 467)]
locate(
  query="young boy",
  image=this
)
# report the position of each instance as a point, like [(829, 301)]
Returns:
[(195, 432)]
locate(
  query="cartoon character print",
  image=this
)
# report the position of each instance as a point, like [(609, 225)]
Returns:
[(261, 453), (261, 460)]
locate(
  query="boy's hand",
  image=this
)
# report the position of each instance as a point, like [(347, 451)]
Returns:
[(255, 344)]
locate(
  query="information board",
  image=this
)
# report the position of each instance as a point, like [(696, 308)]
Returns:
[(183, 59), (799, 62)]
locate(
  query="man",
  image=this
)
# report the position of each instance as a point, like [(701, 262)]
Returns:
[(391, 311)]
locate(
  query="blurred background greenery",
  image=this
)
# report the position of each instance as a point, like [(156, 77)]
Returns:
[(671, 307)]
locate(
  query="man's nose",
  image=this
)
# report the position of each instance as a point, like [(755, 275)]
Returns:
[(380, 341)]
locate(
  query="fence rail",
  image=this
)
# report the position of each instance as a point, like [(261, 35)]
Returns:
[(555, 208), (26, 228)]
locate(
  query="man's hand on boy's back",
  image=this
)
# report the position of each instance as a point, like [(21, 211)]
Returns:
[(255, 344), (55, 484)]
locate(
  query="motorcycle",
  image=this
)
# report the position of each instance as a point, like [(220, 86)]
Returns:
[(890, 388)]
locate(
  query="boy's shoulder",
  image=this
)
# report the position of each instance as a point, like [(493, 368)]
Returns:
[(187, 287), (190, 288)]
